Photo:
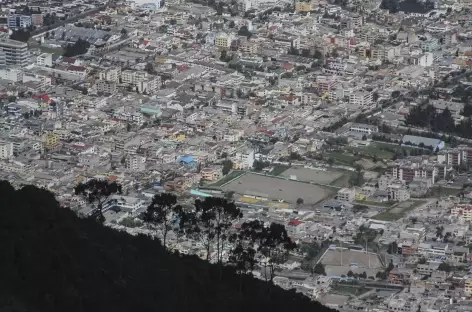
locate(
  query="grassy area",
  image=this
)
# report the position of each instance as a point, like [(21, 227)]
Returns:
[(232, 175), (397, 212), (442, 191), (343, 181), (51, 50), (373, 203), (45, 49), (342, 158), (381, 150), (278, 169)]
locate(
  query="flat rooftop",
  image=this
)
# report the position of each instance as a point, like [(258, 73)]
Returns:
[(13, 43)]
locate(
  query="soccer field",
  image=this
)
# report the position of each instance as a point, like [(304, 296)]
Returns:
[(277, 188)]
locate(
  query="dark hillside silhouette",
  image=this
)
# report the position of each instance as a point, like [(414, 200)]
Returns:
[(51, 260)]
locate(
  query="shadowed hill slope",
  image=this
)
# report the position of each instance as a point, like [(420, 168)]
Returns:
[(50, 260)]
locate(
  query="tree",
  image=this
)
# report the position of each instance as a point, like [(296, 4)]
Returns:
[(350, 274), (160, 212), (79, 47), (363, 275), (392, 248), (227, 166), (124, 32), (244, 31), (271, 242), (149, 68), (97, 192), (20, 35), (319, 269), (243, 258), (11, 99), (300, 201), (210, 223), (229, 195), (444, 267), (231, 24), (318, 55)]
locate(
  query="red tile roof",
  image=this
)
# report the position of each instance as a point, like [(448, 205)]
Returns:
[(295, 222)]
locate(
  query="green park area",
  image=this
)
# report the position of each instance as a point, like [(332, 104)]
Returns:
[(398, 211), (230, 176)]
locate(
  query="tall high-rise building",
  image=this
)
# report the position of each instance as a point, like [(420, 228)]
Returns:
[(13, 52)]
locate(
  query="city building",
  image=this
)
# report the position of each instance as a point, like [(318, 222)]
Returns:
[(19, 21), (135, 163), (13, 52), (6, 150), (12, 74), (44, 59), (346, 194), (363, 128)]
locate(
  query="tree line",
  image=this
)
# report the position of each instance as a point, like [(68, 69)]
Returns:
[(426, 116), (209, 221)]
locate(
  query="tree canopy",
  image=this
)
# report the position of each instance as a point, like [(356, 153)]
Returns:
[(426, 116), (81, 46)]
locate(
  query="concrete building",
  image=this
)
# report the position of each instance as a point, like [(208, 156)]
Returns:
[(246, 157), (111, 74), (19, 21), (106, 87), (211, 174), (462, 212), (149, 85), (44, 59), (363, 128), (6, 150), (13, 52), (346, 194), (12, 74), (360, 98), (468, 287), (135, 163), (398, 192), (223, 40), (37, 19)]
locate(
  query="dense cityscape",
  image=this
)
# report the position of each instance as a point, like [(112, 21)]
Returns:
[(320, 145)]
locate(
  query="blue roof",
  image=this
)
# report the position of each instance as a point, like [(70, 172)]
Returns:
[(187, 159), (198, 193)]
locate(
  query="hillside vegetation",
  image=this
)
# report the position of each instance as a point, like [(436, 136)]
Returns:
[(50, 260)]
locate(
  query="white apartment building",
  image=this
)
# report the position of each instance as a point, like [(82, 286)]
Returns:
[(149, 85), (12, 74), (360, 98), (246, 157), (346, 194), (44, 59), (363, 128), (398, 192), (426, 59), (112, 74), (462, 211), (6, 150), (124, 203), (133, 77), (13, 52)]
